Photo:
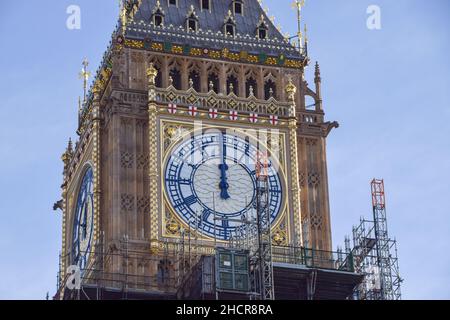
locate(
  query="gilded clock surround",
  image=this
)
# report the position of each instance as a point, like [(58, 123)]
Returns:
[(172, 132)]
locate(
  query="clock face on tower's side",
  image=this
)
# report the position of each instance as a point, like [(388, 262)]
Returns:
[(210, 181), (83, 221)]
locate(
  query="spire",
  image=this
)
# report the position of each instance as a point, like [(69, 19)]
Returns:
[(317, 78), (85, 75), (67, 155), (298, 6), (70, 146), (305, 49), (318, 82)]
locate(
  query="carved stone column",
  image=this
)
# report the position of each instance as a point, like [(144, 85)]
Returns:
[(295, 188), (96, 159), (153, 160)]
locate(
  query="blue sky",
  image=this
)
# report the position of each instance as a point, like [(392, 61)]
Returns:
[(389, 89)]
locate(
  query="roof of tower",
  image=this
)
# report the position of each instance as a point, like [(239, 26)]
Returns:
[(210, 32)]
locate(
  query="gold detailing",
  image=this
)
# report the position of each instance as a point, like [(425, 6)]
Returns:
[(280, 234), (152, 73), (173, 133), (295, 188), (96, 159), (291, 90), (298, 5), (153, 159), (85, 75)]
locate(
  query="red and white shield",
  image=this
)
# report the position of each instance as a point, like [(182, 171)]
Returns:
[(213, 114), (273, 120), (233, 115), (253, 118), (193, 111), (172, 108)]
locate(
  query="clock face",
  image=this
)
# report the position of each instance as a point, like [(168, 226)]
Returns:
[(211, 183), (83, 221)]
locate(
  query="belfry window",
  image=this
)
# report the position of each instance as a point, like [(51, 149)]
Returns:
[(158, 80), (270, 90), (213, 82), (175, 78), (232, 85), (251, 87), (194, 80)]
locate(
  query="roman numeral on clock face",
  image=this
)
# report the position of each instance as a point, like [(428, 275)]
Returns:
[(189, 201)]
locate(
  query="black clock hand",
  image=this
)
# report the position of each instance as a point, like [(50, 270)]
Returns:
[(223, 185)]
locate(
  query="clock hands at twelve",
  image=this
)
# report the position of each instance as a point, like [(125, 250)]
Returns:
[(223, 167)]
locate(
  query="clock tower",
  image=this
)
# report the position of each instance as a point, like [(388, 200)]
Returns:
[(190, 93)]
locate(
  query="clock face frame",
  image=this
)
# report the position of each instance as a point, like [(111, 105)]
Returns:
[(211, 197), (83, 221)]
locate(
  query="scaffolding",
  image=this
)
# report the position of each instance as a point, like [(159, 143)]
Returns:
[(375, 253)]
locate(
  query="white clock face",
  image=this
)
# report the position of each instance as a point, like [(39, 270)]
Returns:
[(210, 181), (83, 221)]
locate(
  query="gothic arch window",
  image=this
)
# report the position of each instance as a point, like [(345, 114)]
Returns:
[(232, 85), (157, 66), (238, 7), (158, 79), (194, 79), (270, 89), (213, 82), (192, 20), (158, 15), (251, 87), (229, 27), (262, 30), (175, 76)]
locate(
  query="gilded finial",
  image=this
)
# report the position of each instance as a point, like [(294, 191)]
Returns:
[(291, 90), (67, 155), (85, 75), (152, 73), (298, 5), (123, 16)]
